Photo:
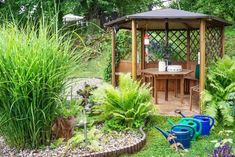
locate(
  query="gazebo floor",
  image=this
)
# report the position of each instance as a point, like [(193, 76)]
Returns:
[(168, 107)]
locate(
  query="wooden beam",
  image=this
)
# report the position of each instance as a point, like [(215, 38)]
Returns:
[(202, 58), (134, 51), (222, 42), (113, 57), (188, 49), (187, 25), (142, 50)]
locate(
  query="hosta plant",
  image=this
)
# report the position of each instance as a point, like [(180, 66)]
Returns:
[(219, 96), (128, 105), (34, 65)]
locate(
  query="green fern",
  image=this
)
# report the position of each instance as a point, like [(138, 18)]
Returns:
[(219, 97), (128, 105)]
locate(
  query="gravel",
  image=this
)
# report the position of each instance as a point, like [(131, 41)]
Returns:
[(107, 142)]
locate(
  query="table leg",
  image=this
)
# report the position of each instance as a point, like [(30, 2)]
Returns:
[(176, 87), (182, 91), (152, 81), (166, 90), (155, 89)]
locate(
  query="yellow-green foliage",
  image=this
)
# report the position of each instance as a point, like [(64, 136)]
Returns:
[(34, 65)]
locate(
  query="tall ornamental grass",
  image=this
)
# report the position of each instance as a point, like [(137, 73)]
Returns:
[(34, 65)]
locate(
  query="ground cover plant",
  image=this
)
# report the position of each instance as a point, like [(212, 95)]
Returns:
[(219, 96), (34, 65), (126, 106)]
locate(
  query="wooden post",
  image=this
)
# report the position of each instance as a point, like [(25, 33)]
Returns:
[(142, 50), (134, 51), (222, 42), (166, 44), (113, 58), (202, 57), (188, 49)]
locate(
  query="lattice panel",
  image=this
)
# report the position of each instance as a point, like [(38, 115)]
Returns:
[(158, 36), (194, 45), (157, 39), (177, 41), (213, 44), (176, 50)]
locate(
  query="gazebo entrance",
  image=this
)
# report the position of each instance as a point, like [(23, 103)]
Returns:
[(189, 40)]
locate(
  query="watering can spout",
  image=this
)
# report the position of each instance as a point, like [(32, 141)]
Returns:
[(163, 132)]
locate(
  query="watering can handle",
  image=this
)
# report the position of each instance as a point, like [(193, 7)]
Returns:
[(212, 121), (185, 126), (196, 121), (178, 111)]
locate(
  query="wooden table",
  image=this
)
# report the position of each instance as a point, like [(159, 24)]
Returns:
[(165, 75)]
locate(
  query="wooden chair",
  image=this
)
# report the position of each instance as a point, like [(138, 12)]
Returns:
[(191, 80), (194, 91)]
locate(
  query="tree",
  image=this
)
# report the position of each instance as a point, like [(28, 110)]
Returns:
[(25, 9), (223, 9)]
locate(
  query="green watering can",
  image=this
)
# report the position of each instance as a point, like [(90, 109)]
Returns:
[(194, 123)]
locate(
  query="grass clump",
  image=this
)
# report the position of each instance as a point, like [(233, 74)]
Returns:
[(34, 64)]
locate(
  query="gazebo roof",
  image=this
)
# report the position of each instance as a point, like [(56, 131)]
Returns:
[(177, 19)]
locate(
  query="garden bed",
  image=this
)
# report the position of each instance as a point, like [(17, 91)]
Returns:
[(111, 144)]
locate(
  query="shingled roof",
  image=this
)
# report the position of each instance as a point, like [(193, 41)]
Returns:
[(177, 19)]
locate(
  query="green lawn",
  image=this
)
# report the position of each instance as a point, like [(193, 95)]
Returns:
[(158, 146)]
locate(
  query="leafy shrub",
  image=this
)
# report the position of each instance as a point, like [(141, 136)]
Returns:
[(33, 67), (219, 96), (129, 105)]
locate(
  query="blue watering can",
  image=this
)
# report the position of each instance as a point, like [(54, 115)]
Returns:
[(194, 123), (183, 134), (206, 121)]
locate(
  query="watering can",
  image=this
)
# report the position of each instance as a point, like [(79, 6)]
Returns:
[(183, 134), (206, 121), (194, 123)]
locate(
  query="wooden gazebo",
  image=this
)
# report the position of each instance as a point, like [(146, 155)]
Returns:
[(189, 33)]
